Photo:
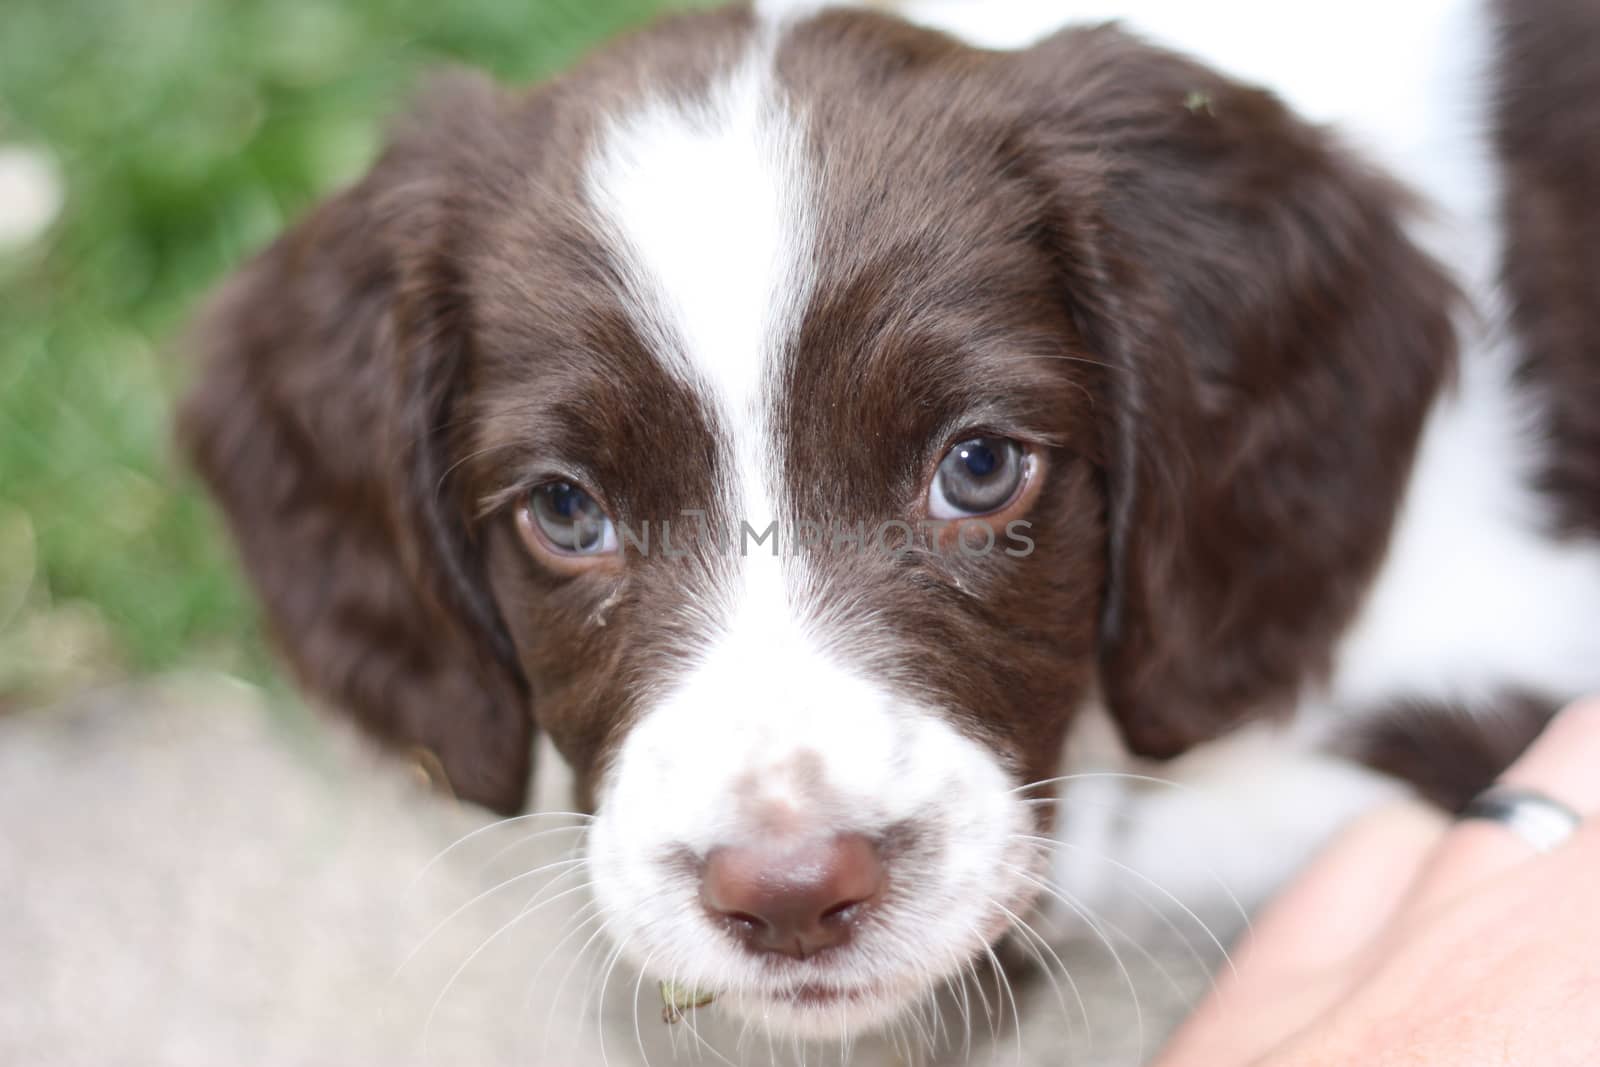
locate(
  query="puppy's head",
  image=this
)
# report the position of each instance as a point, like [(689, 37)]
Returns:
[(798, 422)]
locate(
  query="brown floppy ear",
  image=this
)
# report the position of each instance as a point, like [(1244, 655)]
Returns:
[(322, 422), (1276, 341)]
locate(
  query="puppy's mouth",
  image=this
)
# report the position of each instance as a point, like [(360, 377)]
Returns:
[(821, 992), (822, 1009), (804, 994), (823, 1005), (817, 995)]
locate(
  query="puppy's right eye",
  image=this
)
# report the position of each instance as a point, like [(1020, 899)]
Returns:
[(978, 477), (565, 526)]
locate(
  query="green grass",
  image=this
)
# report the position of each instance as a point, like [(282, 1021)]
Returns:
[(189, 132)]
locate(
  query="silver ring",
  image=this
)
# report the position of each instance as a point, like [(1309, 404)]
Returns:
[(1540, 821)]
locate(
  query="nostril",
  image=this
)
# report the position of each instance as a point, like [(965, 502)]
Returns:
[(842, 912), (794, 898)]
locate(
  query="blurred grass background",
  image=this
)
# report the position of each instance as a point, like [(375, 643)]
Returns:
[(178, 137)]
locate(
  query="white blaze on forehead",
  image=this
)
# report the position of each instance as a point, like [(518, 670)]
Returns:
[(707, 204)]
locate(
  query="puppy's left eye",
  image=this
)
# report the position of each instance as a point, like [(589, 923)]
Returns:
[(566, 527), (978, 477)]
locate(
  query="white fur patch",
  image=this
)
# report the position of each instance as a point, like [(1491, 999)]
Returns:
[(1401, 81), (1475, 598), (1214, 831)]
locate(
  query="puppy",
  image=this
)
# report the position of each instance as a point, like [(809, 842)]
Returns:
[(832, 431)]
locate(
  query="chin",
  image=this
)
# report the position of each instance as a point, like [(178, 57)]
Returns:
[(827, 1013)]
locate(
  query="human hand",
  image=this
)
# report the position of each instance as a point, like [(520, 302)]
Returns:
[(1415, 940)]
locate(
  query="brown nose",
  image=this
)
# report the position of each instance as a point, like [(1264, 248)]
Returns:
[(794, 899)]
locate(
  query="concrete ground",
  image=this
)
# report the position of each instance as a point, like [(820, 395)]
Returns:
[(185, 880)]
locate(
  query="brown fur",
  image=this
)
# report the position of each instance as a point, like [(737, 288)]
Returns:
[(1449, 752), (1548, 133)]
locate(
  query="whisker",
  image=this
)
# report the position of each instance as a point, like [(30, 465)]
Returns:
[(896, 1035), (1030, 933), (1144, 953), (433, 1010), (1159, 888), (1016, 1014), (559, 989), (918, 1030), (701, 1045), (549, 1015), (1127, 976), (497, 824), (966, 1017), (448, 919), (589, 913), (1146, 779), (600, 1005), (638, 1032), (1216, 878), (983, 997), (941, 1030), (528, 840)]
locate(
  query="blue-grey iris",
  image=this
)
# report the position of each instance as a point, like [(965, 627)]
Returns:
[(570, 518), (977, 477)]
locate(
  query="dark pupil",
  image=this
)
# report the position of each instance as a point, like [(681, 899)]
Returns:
[(981, 460), (981, 475), (568, 515), (569, 501)]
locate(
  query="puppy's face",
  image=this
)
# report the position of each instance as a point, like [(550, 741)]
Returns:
[(799, 420), (784, 448)]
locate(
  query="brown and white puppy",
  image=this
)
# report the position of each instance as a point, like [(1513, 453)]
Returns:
[(819, 425)]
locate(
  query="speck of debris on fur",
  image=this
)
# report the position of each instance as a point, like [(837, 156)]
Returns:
[(678, 999), (1197, 101)]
